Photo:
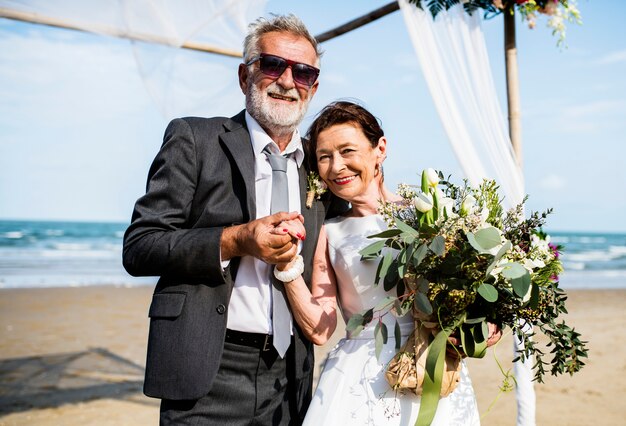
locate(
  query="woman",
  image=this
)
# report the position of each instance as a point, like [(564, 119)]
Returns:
[(350, 148)]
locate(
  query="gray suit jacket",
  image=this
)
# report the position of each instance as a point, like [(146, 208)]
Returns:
[(201, 181)]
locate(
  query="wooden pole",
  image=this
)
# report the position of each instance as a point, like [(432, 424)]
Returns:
[(512, 84), (202, 47), (35, 18), (358, 22)]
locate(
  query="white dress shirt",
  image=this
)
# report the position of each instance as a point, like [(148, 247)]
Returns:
[(250, 302)]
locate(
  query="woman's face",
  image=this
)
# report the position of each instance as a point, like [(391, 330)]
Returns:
[(347, 162)]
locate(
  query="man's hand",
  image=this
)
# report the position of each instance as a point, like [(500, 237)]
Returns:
[(264, 238)]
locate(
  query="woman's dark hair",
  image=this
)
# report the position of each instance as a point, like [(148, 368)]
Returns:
[(342, 112)]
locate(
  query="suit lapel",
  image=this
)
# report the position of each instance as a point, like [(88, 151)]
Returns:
[(237, 142), (313, 218), (307, 213)]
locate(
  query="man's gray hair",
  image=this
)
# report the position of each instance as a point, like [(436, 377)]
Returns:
[(277, 23)]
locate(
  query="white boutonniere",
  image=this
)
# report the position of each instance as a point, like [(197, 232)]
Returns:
[(315, 187)]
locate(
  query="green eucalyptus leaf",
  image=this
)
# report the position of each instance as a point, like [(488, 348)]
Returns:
[(513, 270), (400, 288), (391, 278), (484, 239), (472, 240), (488, 292), (406, 229), (372, 250), (409, 239), (388, 233), (422, 303), (355, 325), (419, 254), (506, 246), (384, 266), (503, 250), (438, 245), (422, 284), (398, 335), (401, 260), (521, 284), (488, 238), (378, 338)]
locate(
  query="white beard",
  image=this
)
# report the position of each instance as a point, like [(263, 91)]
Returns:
[(282, 118)]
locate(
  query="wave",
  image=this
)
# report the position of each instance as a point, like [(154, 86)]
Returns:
[(40, 254), (12, 235)]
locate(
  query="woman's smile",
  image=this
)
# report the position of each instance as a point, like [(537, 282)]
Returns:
[(344, 180)]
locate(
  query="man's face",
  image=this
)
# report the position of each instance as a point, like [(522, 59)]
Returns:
[(278, 103)]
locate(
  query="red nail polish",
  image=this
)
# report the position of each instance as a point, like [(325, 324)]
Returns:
[(285, 230)]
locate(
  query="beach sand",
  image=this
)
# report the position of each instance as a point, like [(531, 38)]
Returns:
[(75, 356)]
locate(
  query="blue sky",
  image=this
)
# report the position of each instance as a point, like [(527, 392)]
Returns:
[(78, 127)]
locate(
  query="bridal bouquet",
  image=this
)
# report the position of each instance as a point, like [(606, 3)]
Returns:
[(459, 261)]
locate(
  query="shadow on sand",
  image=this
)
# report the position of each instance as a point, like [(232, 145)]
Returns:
[(53, 380)]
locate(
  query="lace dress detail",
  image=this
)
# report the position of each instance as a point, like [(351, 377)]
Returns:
[(352, 389)]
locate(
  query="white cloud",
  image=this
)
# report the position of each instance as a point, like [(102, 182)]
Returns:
[(612, 58), (552, 182), (596, 107)]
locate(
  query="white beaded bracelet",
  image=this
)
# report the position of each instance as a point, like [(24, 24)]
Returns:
[(292, 273)]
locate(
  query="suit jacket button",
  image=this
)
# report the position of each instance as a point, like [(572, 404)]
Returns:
[(220, 309)]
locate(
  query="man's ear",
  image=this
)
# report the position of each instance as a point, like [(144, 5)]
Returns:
[(243, 77), (313, 89)]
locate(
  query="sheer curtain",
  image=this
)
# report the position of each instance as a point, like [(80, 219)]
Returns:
[(452, 53), (180, 81)]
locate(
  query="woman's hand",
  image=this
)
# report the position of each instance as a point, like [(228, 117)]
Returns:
[(294, 228), (495, 334), (455, 349)]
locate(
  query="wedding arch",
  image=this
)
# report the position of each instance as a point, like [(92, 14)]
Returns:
[(448, 42)]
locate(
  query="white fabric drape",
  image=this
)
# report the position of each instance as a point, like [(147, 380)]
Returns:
[(453, 56), (181, 82)]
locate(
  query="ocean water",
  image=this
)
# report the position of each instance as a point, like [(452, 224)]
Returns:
[(62, 254)]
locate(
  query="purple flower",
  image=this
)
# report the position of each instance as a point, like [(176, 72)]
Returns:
[(555, 250)]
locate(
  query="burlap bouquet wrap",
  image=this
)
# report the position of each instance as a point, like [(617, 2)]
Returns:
[(407, 368)]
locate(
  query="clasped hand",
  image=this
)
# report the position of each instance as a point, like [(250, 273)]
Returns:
[(273, 239)]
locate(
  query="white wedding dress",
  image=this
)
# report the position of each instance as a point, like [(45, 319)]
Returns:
[(352, 389)]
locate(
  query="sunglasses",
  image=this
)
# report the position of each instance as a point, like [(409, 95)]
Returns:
[(274, 66)]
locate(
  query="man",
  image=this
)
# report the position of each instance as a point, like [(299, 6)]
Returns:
[(204, 226)]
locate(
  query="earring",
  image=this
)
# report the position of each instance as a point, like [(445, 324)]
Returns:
[(379, 170)]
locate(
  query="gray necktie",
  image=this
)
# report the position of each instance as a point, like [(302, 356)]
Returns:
[(281, 318)]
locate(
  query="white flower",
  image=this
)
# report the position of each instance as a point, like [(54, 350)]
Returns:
[(540, 244), (483, 215), (468, 205), (531, 264), (423, 202), (446, 204), (432, 177)]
